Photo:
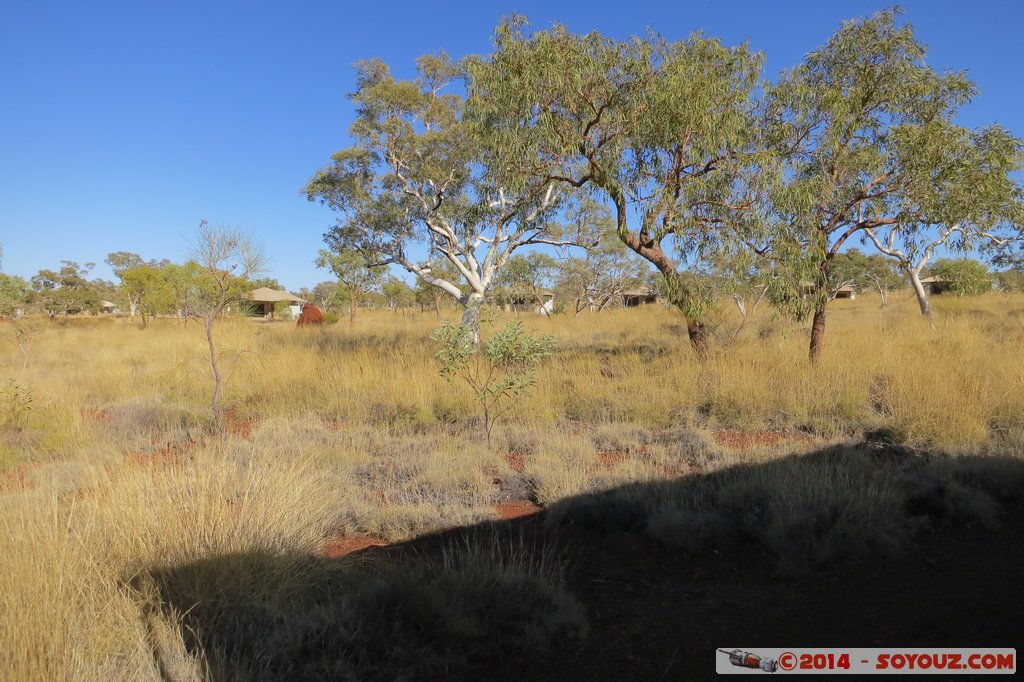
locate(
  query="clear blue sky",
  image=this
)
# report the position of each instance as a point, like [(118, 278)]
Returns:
[(122, 125)]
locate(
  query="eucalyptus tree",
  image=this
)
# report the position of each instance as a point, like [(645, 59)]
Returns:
[(864, 271), (662, 129), (14, 295), (419, 177), (737, 274), (970, 199), (963, 276), (397, 293), (429, 295), (324, 296), (120, 262), (913, 252), (66, 290), (14, 298), (530, 274), (599, 278), (355, 277), (867, 132)]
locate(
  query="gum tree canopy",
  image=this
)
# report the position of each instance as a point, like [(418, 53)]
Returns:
[(866, 129), (420, 177), (661, 129)]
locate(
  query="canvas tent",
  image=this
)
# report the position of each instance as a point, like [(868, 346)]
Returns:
[(265, 300), (631, 298), (935, 285), (845, 291)]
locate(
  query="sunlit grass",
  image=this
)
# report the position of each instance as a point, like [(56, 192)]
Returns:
[(109, 473)]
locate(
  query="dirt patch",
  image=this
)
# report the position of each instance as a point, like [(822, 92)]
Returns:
[(516, 509), (611, 458), (100, 416), (516, 462), (16, 480), (166, 456), (747, 440), (335, 425), (343, 545), (239, 426)]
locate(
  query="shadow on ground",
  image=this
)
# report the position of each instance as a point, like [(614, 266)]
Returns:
[(854, 546)]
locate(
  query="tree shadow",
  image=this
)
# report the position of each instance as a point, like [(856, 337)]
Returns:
[(664, 571)]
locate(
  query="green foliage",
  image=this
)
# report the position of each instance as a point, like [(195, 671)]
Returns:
[(351, 268), (268, 282), (397, 293), (149, 289), (662, 129), (864, 129), (65, 291), (222, 262), (864, 271), (355, 275), (121, 261), (14, 294), (325, 296), (500, 373), (283, 310), (421, 175), (963, 276), (1010, 281)]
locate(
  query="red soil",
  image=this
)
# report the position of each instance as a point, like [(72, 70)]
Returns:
[(516, 509), (610, 458), (342, 545), (660, 614), (745, 440), (101, 416), (15, 480), (516, 462), (168, 455), (238, 426)]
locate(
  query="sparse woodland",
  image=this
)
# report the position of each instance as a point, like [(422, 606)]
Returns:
[(183, 487)]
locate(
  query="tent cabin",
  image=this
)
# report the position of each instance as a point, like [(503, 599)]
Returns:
[(264, 301), (108, 307), (845, 291), (935, 285), (523, 301), (808, 289), (632, 298)]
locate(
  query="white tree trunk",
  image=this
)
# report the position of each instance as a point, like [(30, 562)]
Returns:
[(919, 291)]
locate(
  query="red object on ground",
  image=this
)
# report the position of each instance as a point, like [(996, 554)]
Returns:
[(310, 315)]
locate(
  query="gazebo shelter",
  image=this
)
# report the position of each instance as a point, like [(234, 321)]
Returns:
[(264, 301)]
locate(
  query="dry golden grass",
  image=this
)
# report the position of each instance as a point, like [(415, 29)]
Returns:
[(108, 479)]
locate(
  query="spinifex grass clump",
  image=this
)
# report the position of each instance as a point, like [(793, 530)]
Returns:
[(500, 373)]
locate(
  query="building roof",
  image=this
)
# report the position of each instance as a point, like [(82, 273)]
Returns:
[(107, 304), (639, 291), (524, 291), (933, 279), (265, 295), (846, 288)]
